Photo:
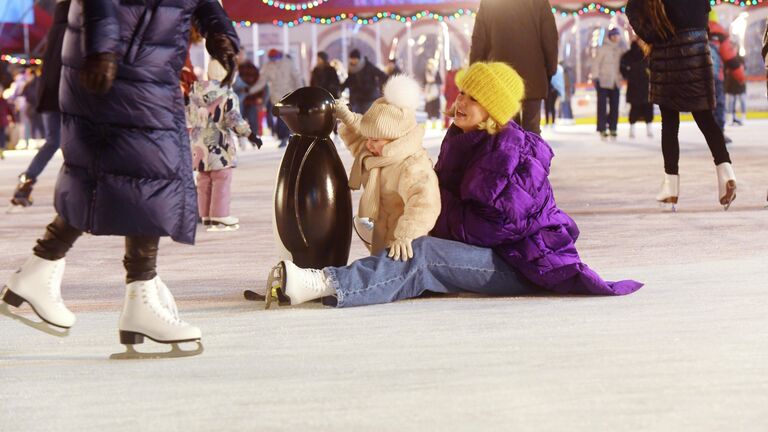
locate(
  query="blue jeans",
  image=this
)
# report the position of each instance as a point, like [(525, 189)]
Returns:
[(733, 99), (52, 123), (440, 266), (611, 118)]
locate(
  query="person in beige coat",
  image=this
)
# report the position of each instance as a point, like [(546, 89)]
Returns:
[(401, 194)]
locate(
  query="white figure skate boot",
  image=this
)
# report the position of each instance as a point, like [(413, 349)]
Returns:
[(292, 285), (670, 191), (228, 223), (364, 230), (150, 311), (38, 283), (632, 130), (726, 184)]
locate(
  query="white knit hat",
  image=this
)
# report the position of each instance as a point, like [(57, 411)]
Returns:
[(394, 115), (216, 71)]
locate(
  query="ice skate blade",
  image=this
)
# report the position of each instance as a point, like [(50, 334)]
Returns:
[(43, 326), (275, 287), (222, 228), (175, 352), (253, 296)]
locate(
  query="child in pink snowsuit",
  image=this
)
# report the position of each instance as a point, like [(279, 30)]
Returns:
[(216, 128)]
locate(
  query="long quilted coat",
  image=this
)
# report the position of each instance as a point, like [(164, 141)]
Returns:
[(495, 194), (126, 154), (682, 75)]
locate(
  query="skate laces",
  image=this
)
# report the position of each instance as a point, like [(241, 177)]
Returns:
[(152, 297), (54, 289), (166, 299), (316, 280)]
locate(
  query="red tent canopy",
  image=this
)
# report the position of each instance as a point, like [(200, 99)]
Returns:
[(12, 35)]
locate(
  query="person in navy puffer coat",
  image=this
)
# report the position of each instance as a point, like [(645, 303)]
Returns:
[(499, 232), (126, 152)]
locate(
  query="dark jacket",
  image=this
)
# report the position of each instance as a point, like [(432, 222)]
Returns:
[(6, 114), (682, 76), (634, 68), (734, 85), (365, 85), (325, 76), (126, 154), (521, 33), (48, 99), (495, 193), (765, 51)]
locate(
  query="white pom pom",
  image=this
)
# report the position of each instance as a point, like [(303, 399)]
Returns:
[(402, 91)]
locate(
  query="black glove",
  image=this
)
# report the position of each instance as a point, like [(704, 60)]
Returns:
[(256, 141), (98, 73), (221, 48)]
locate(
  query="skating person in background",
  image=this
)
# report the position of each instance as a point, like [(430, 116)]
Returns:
[(7, 117), (215, 129), (48, 106), (392, 69), (606, 75), (282, 77), (499, 231), (635, 69), (523, 34), (126, 172), (364, 82), (736, 93), (325, 76), (433, 84), (400, 191), (765, 60), (682, 83), (556, 91), (719, 74), (450, 93)]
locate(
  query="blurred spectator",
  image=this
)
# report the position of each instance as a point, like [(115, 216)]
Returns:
[(523, 34), (364, 82)]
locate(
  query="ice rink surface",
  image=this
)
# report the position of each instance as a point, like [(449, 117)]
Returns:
[(688, 352)]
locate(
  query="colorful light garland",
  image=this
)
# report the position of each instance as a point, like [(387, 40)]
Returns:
[(366, 20), (294, 6), (587, 8), (20, 60)]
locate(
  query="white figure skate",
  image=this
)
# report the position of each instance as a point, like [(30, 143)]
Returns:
[(38, 283), (229, 223), (150, 311), (670, 191), (291, 285), (726, 184)]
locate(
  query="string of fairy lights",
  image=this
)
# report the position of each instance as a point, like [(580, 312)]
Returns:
[(587, 8)]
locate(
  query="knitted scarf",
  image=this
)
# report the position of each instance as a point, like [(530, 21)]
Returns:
[(367, 169)]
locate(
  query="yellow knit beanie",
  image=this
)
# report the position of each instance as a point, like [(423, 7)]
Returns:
[(496, 86)]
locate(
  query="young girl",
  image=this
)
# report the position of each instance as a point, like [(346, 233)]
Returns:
[(401, 194), (499, 232), (215, 130), (682, 80)]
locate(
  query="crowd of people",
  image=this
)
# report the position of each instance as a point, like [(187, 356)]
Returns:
[(483, 220)]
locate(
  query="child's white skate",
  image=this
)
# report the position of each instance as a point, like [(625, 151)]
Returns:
[(290, 285), (364, 230), (38, 283), (229, 223), (150, 311)]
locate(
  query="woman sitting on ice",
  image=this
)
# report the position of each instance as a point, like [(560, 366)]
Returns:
[(499, 231)]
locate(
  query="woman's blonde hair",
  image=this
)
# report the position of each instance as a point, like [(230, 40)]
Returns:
[(491, 126)]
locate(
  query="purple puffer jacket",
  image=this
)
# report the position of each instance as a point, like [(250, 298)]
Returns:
[(495, 193)]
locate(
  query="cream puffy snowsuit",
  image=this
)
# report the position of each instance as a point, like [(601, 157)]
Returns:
[(401, 193)]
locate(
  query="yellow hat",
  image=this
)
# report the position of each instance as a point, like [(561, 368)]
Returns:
[(496, 86)]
